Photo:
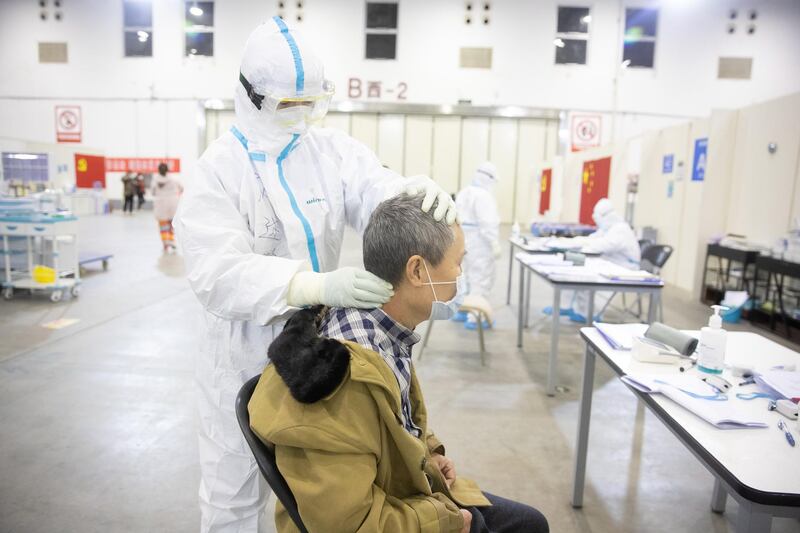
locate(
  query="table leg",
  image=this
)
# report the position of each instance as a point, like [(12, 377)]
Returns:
[(652, 307), (582, 444), (7, 257), (528, 282), (510, 271), (751, 521), (552, 365), (589, 317), (520, 309), (718, 497)]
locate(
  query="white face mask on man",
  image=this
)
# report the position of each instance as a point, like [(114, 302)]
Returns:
[(445, 310)]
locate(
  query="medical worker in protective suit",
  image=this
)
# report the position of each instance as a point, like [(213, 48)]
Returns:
[(261, 229), (477, 210), (617, 243)]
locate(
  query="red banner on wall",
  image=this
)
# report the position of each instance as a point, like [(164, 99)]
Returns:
[(544, 193), (594, 186), (144, 165), (90, 169)]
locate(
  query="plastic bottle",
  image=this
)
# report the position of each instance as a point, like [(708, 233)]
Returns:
[(515, 230), (712, 344)]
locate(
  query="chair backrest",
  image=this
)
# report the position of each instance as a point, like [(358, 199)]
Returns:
[(265, 458), (657, 255)]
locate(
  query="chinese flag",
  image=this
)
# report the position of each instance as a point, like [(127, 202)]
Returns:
[(544, 194), (90, 169), (594, 186)]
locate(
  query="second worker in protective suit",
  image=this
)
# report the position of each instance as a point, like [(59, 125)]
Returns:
[(261, 228), (477, 209), (617, 243)]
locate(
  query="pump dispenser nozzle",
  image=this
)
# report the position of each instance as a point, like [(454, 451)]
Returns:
[(715, 320)]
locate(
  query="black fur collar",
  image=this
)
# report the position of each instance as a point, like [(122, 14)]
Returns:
[(311, 366)]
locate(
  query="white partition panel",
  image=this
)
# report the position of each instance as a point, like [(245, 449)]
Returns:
[(419, 146), (530, 162), (364, 127), (503, 153), (339, 121), (391, 137), (763, 182), (693, 203), (474, 147), (447, 152)]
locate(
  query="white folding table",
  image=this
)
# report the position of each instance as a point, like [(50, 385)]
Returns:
[(591, 283), (756, 467)]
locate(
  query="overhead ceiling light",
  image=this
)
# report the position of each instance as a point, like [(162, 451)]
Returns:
[(23, 156), (559, 43), (193, 51), (143, 36), (196, 10), (626, 63), (587, 19)]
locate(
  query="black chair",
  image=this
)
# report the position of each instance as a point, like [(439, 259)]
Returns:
[(265, 455), (654, 257)]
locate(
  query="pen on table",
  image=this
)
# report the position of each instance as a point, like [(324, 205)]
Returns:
[(789, 437)]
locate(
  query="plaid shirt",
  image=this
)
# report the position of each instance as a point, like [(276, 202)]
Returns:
[(374, 329)]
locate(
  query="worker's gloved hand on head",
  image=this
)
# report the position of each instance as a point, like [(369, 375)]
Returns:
[(496, 250), (446, 207), (345, 287)]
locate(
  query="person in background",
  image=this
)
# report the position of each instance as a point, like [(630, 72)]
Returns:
[(166, 192), (477, 207), (128, 191), (140, 190), (617, 243)]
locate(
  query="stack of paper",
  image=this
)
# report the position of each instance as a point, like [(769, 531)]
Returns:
[(696, 396), (620, 336), (552, 260), (632, 276), (780, 383), (562, 243)]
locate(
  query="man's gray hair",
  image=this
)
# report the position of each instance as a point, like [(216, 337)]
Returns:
[(399, 229)]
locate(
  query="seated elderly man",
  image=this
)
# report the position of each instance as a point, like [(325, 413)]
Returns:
[(342, 405)]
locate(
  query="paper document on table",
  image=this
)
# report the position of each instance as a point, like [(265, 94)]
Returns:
[(696, 396), (632, 275), (620, 336), (563, 243), (781, 383), (552, 260)]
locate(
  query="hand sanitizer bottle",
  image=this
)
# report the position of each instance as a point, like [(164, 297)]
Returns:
[(515, 230), (712, 344)]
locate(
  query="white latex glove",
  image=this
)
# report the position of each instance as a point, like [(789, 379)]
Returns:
[(345, 287), (496, 250), (446, 206)]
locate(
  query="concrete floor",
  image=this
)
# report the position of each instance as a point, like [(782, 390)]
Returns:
[(97, 419)]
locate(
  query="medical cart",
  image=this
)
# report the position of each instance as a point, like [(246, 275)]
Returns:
[(51, 241)]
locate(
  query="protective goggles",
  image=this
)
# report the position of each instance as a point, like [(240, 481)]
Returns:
[(315, 106)]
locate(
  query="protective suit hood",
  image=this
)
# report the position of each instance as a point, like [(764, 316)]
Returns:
[(277, 61), (485, 176), (604, 215)]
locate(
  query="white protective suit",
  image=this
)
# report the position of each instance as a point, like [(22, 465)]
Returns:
[(617, 243), (477, 209), (270, 199)]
